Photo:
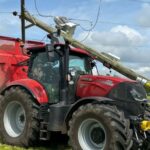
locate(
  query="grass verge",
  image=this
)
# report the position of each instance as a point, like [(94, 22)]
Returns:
[(7, 147)]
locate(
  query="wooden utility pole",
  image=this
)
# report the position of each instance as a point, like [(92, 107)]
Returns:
[(98, 55), (23, 20)]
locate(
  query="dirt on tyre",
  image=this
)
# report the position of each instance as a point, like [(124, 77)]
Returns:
[(18, 118), (99, 127)]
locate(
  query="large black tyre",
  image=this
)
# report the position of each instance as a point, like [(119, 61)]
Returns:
[(19, 124), (99, 127)]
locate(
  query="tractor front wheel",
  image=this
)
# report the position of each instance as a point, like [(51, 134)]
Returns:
[(99, 127), (18, 118)]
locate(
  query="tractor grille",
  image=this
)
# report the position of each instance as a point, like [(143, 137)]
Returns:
[(128, 91), (129, 97)]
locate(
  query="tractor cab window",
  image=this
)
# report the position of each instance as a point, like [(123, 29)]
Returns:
[(46, 71), (80, 64)]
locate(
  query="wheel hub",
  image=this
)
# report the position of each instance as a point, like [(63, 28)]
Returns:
[(92, 135), (97, 135), (14, 119), (20, 118)]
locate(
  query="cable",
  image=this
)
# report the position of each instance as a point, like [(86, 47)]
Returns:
[(98, 13), (83, 20), (3, 12), (42, 15), (97, 18), (86, 36), (43, 39), (93, 26), (35, 4)]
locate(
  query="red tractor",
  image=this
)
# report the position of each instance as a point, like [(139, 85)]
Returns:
[(54, 90)]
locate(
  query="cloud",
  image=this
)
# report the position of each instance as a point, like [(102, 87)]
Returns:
[(133, 36), (120, 40), (124, 42), (143, 70), (119, 35), (140, 68), (144, 15)]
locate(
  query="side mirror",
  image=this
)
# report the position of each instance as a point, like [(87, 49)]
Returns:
[(93, 64)]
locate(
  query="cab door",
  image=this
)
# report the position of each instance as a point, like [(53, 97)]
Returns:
[(46, 70)]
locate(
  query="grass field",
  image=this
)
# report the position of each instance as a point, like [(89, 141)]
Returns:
[(6, 147), (57, 142)]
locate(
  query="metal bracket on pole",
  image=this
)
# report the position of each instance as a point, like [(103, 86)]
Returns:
[(28, 26), (23, 25)]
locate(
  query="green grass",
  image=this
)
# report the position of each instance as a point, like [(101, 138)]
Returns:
[(6, 147), (57, 142)]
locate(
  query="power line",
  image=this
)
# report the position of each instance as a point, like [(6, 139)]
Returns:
[(51, 16), (94, 25), (43, 38), (5, 12), (82, 20), (42, 15), (85, 20), (97, 18), (86, 36)]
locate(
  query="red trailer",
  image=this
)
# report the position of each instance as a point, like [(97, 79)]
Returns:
[(13, 59)]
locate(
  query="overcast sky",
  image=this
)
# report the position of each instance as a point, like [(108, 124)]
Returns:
[(123, 27)]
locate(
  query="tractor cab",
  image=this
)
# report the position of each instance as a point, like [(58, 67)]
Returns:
[(50, 66), (65, 72)]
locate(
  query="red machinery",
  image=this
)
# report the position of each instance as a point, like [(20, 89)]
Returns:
[(53, 89), (13, 59)]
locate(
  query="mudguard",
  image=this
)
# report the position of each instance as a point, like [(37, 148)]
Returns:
[(34, 87)]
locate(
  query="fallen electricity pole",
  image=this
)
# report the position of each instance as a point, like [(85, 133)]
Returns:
[(98, 55)]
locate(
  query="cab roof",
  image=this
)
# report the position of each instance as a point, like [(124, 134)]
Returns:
[(16, 43), (73, 49)]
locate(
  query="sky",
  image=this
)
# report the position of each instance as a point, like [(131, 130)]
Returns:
[(123, 26)]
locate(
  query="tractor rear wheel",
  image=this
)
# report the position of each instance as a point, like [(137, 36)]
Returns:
[(99, 127), (19, 124)]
